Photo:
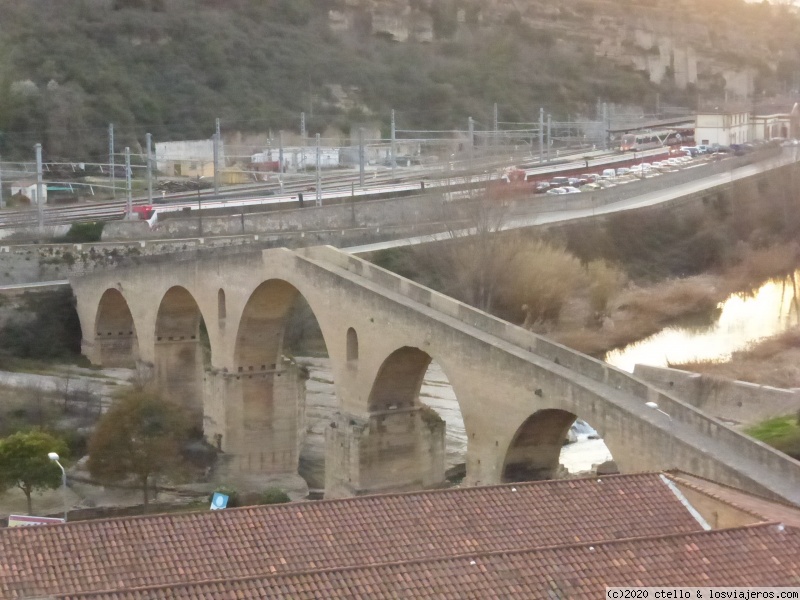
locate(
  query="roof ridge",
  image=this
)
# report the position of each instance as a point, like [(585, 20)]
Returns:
[(678, 473), (287, 505), (453, 557)]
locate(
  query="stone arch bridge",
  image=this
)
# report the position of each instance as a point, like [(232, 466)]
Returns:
[(518, 392)]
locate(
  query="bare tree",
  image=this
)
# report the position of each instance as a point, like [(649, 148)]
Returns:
[(474, 261)]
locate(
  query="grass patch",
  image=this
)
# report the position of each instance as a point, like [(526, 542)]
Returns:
[(54, 366), (782, 433)]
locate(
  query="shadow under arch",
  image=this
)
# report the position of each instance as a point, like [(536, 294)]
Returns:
[(181, 351), (267, 427), (536, 446), (414, 430), (399, 380), (115, 333)]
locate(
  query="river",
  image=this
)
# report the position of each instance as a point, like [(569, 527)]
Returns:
[(743, 319)]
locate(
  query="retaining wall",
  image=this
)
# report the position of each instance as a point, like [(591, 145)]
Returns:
[(737, 402)]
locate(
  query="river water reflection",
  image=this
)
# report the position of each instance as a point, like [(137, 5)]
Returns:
[(743, 319)]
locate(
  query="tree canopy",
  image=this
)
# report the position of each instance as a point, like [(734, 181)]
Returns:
[(24, 462), (140, 437)]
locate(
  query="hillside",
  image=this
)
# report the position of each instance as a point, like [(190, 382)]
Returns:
[(171, 66)]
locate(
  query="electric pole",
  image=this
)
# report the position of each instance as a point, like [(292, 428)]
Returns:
[(471, 133), (303, 127), (216, 159), (111, 159), (280, 159), (361, 156), (541, 134), (128, 197), (496, 129), (39, 200), (319, 180), (392, 148), (2, 204), (549, 136), (148, 142)]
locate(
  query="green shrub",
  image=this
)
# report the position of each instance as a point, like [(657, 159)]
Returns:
[(274, 495), (782, 433), (82, 233)]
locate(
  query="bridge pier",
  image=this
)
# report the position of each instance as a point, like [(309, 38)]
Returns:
[(387, 451), (256, 419), (114, 349), (179, 373)]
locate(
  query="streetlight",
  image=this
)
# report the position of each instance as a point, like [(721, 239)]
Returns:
[(654, 406), (54, 457)]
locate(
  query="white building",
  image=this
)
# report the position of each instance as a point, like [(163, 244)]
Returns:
[(191, 158), (299, 158), (27, 188), (728, 127), (723, 127), (769, 127)]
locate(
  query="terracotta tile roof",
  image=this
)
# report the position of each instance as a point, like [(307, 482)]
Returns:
[(166, 549), (762, 555), (763, 508)]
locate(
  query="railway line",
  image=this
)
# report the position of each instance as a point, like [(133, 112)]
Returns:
[(335, 188)]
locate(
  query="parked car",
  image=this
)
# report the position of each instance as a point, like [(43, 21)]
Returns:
[(541, 187), (563, 190), (559, 181), (691, 151)]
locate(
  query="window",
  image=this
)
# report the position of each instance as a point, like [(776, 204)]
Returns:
[(352, 345)]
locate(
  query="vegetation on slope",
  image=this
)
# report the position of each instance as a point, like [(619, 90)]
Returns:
[(169, 67)]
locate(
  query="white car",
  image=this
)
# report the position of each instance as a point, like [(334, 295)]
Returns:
[(560, 191)]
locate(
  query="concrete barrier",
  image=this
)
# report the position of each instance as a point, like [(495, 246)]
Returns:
[(737, 402)]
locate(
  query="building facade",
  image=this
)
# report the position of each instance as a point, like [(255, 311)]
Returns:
[(190, 158)]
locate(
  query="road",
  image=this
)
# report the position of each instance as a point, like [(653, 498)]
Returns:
[(547, 218)]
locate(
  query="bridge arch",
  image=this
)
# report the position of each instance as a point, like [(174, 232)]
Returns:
[(115, 333), (414, 429), (399, 380), (535, 449), (501, 373), (180, 356), (264, 392)]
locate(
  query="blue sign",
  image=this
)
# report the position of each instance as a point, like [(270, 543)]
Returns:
[(219, 501)]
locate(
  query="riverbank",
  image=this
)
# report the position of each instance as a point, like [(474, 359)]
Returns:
[(639, 311), (773, 361)]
